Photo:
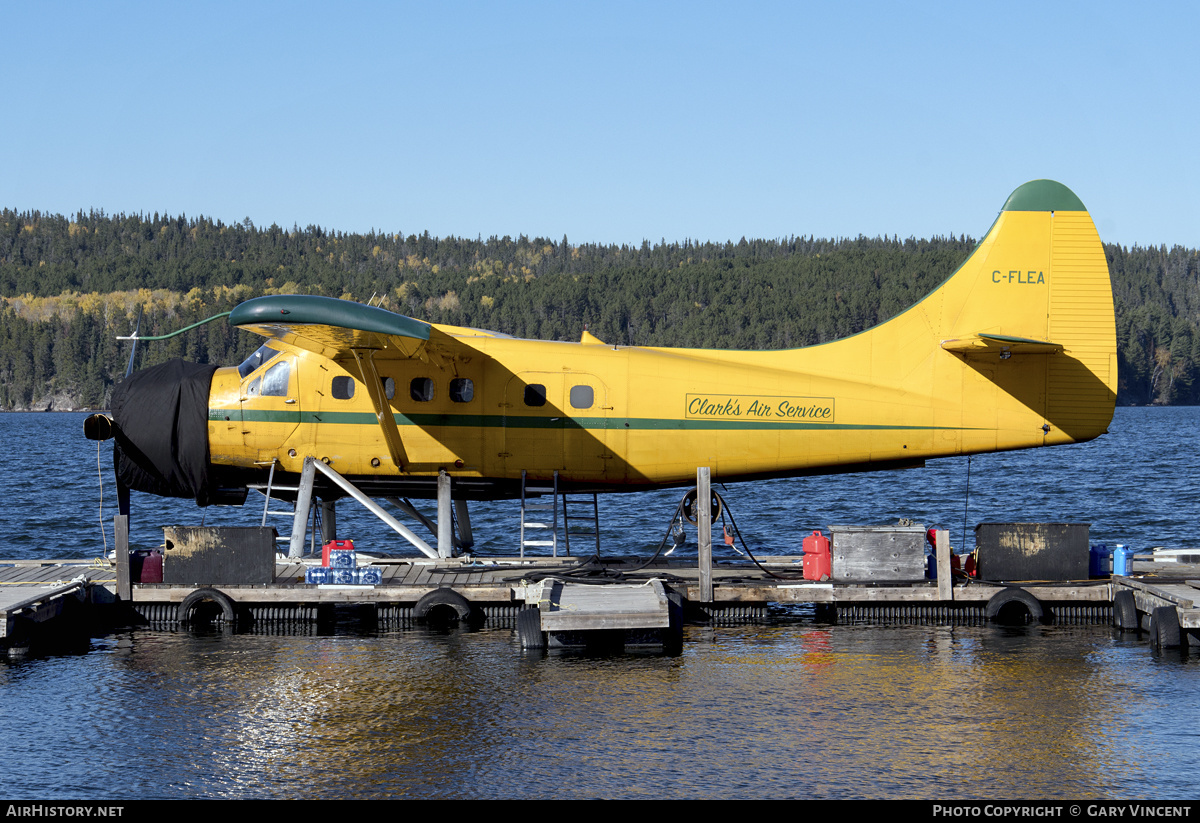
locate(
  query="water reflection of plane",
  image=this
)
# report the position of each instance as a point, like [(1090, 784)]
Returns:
[(1016, 349)]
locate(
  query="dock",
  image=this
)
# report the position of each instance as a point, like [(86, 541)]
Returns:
[(237, 577), (738, 587), (36, 595), (1161, 599), (571, 596)]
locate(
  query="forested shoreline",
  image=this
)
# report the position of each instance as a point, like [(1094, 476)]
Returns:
[(69, 286)]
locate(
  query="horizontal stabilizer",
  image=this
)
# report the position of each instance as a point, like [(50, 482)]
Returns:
[(999, 344)]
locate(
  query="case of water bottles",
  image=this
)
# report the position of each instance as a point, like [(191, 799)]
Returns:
[(340, 567)]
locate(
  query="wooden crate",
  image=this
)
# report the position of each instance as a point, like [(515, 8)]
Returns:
[(876, 553)]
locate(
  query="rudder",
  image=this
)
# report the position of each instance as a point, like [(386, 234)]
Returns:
[(1033, 306)]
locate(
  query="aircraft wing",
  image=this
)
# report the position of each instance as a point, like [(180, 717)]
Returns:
[(331, 327), (347, 331), (998, 344)]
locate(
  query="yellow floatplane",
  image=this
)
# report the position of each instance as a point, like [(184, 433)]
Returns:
[(1016, 349)]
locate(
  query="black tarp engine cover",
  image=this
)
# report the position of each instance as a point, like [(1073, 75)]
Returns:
[(161, 429)]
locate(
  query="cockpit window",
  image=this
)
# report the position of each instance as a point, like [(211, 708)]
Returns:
[(275, 381), (260, 356)]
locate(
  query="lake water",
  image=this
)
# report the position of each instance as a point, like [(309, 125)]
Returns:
[(787, 708)]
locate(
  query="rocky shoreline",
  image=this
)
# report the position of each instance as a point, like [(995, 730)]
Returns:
[(53, 403)]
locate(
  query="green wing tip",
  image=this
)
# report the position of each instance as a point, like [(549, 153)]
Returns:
[(306, 309), (1043, 195)]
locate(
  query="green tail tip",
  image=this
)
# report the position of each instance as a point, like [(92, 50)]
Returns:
[(1043, 195)]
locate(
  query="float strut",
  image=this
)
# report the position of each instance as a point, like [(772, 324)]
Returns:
[(445, 520)]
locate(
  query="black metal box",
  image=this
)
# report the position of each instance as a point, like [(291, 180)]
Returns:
[(1032, 551), (212, 556)]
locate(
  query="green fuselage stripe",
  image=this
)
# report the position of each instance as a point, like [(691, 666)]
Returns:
[(499, 421)]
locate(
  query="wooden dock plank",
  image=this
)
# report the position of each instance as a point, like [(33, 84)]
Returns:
[(35, 574), (10, 572), (406, 575), (45, 574), (424, 575), (1176, 592)]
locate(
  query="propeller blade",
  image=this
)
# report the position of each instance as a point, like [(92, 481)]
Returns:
[(134, 338)]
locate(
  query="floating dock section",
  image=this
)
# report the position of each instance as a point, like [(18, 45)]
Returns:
[(648, 603), (235, 577), (37, 597)]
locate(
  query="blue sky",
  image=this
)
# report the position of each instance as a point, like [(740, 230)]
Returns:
[(606, 122)]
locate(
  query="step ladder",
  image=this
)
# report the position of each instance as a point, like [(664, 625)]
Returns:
[(538, 509), (588, 521), (266, 492)]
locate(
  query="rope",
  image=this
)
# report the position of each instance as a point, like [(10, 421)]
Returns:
[(100, 475)]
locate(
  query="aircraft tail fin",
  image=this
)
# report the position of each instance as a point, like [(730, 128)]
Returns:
[(1031, 310)]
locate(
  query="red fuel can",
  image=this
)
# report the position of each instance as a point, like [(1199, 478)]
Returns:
[(333, 545), (145, 566), (818, 560)]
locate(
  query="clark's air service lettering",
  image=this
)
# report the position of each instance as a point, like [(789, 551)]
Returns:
[(759, 407)]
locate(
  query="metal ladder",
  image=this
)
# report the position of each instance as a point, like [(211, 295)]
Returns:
[(551, 507), (290, 513), (589, 524)]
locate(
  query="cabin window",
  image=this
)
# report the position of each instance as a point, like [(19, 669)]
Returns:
[(582, 397), (275, 381), (261, 355), (421, 389), (343, 387), (462, 389), (535, 394), (255, 384), (389, 388)]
